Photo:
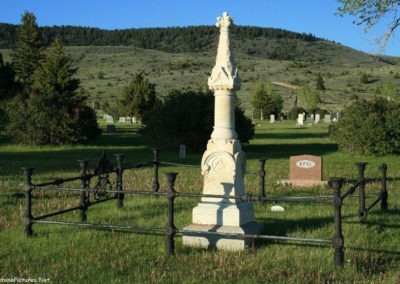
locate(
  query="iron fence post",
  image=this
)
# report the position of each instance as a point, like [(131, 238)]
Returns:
[(84, 195), (362, 211), (120, 196), (384, 194), (156, 163), (170, 229), (28, 218), (337, 241), (262, 174)]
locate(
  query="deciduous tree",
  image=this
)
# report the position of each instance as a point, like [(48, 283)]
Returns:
[(370, 12), (308, 99)]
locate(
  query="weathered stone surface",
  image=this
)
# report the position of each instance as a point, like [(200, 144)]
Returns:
[(224, 163)]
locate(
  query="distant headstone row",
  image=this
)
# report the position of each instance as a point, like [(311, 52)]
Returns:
[(128, 119), (123, 119), (301, 119)]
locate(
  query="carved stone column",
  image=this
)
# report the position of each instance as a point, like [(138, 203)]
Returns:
[(224, 163)]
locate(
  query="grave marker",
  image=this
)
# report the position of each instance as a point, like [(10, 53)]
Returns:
[(327, 118), (305, 170)]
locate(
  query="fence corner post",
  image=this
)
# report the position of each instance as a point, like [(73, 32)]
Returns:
[(28, 218), (156, 163), (170, 229), (338, 240), (384, 193), (120, 196)]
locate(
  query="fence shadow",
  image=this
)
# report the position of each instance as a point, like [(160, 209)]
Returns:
[(281, 227)]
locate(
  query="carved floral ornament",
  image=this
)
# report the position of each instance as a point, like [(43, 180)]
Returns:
[(224, 163)]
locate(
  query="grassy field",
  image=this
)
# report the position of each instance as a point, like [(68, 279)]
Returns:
[(78, 255)]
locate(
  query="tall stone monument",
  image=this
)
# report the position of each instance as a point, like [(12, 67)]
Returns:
[(224, 163)]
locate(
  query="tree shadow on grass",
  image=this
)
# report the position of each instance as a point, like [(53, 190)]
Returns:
[(291, 135), (287, 150)]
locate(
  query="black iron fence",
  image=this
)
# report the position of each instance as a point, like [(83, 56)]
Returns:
[(104, 190)]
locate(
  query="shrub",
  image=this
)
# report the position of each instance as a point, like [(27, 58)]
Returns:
[(187, 118), (369, 127), (294, 112)]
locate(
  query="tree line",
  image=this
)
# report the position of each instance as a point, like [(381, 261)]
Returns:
[(41, 101), (172, 39)]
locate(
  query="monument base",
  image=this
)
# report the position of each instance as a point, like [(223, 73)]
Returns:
[(237, 241), (223, 213)]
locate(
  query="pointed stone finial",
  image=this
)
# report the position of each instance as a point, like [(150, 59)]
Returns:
[(224, 74)]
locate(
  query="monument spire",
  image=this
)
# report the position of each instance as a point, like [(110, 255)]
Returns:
[(223, 164), (224, 81)]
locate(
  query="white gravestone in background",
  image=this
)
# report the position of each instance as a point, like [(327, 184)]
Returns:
[(300, 119), (317, 118)]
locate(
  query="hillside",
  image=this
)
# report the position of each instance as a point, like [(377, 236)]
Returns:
[(180, 58)]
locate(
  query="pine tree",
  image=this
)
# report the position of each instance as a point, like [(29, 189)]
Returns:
[(320, 83), (138, 97), (262, 99), (8, 85), (55, 112), (28, 53)]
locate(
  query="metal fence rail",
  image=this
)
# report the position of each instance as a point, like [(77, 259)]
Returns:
[(104, 191)]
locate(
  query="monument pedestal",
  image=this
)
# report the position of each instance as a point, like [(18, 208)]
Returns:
[(223, 167), (210, 241)]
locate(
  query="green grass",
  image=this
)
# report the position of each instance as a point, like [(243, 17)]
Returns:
[(79, 255)]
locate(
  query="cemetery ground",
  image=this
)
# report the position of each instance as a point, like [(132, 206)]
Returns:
[(74, 254)]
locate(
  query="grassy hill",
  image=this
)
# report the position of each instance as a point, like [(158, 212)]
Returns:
[(261, 54)]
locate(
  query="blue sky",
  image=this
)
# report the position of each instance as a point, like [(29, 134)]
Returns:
[(309, 16)]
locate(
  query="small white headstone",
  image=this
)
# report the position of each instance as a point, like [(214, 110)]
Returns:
[(300, 119), (327, 118), (272, 118), (182, 151), (317, 118), (108, 118)]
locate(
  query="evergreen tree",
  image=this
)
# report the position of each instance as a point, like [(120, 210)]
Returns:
[(320, 83), (264, 100), (187, 118), (138, 97), (277, 102), (28, 53), (8, 85), (55, 112), (8, 88)]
